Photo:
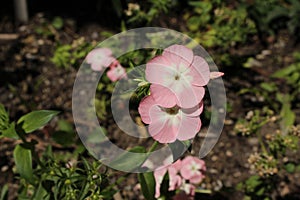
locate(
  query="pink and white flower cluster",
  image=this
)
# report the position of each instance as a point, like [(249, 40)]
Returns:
[(174, 105), (101, 58), (183, 175)]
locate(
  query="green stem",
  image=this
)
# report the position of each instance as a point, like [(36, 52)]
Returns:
[(203, 191), (34, 154), (261, 142), (153, 147), (118, 181)]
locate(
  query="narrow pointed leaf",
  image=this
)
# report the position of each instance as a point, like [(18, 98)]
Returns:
[(147, 182)]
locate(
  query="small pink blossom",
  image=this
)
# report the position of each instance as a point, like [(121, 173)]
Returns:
[(192, 169), (116, 72), (183, 174), (175, 179), (100, 58), (168, 124), (177, 77)]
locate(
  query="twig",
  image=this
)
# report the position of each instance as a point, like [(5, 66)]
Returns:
[(8, 36)]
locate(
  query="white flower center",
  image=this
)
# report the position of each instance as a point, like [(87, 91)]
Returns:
[(194, 167)]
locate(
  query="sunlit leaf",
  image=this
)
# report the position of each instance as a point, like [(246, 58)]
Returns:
[(23, 162), (36, 119)]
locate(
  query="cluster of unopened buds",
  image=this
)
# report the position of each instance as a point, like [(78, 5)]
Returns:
[(295, 130), (242, 128), (132, 8), (184, 175), (264, 165)]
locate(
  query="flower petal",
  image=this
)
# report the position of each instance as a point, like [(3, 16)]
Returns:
[(116, 73), (192, 168), (165, 129), (196, 179), (195, 111), (179, 54), (158, 71), (158, 176), (188, 96), (199, 71), (175, 182), (188, 128), (99, 58), (163, 96), (186, 171), (214, 75), (144, 108), (107, 61)]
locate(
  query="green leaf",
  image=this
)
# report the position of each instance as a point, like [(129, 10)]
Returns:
[(23, 162), (290, 167), (64, 138), (240, 186), (98, 136), (41, 193), (36, 119), (269, 87), (130, 160), (64, 125), (147, 182), (283, 73), (260, 191), (66, 135), (4, 192), (10, 132), (57, 23), (253, 182), (288, 116), (4, 118), (178, 148)]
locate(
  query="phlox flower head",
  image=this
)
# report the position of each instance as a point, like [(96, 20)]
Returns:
[(116, 71), (100, 58), (183, 174), (177, 77), (192, 169), (168, 124)]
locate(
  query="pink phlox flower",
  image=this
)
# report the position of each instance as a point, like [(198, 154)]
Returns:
[(192, 169), (177, 77), (116, 72), (183, 175), (100, 58), (168, 124)]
